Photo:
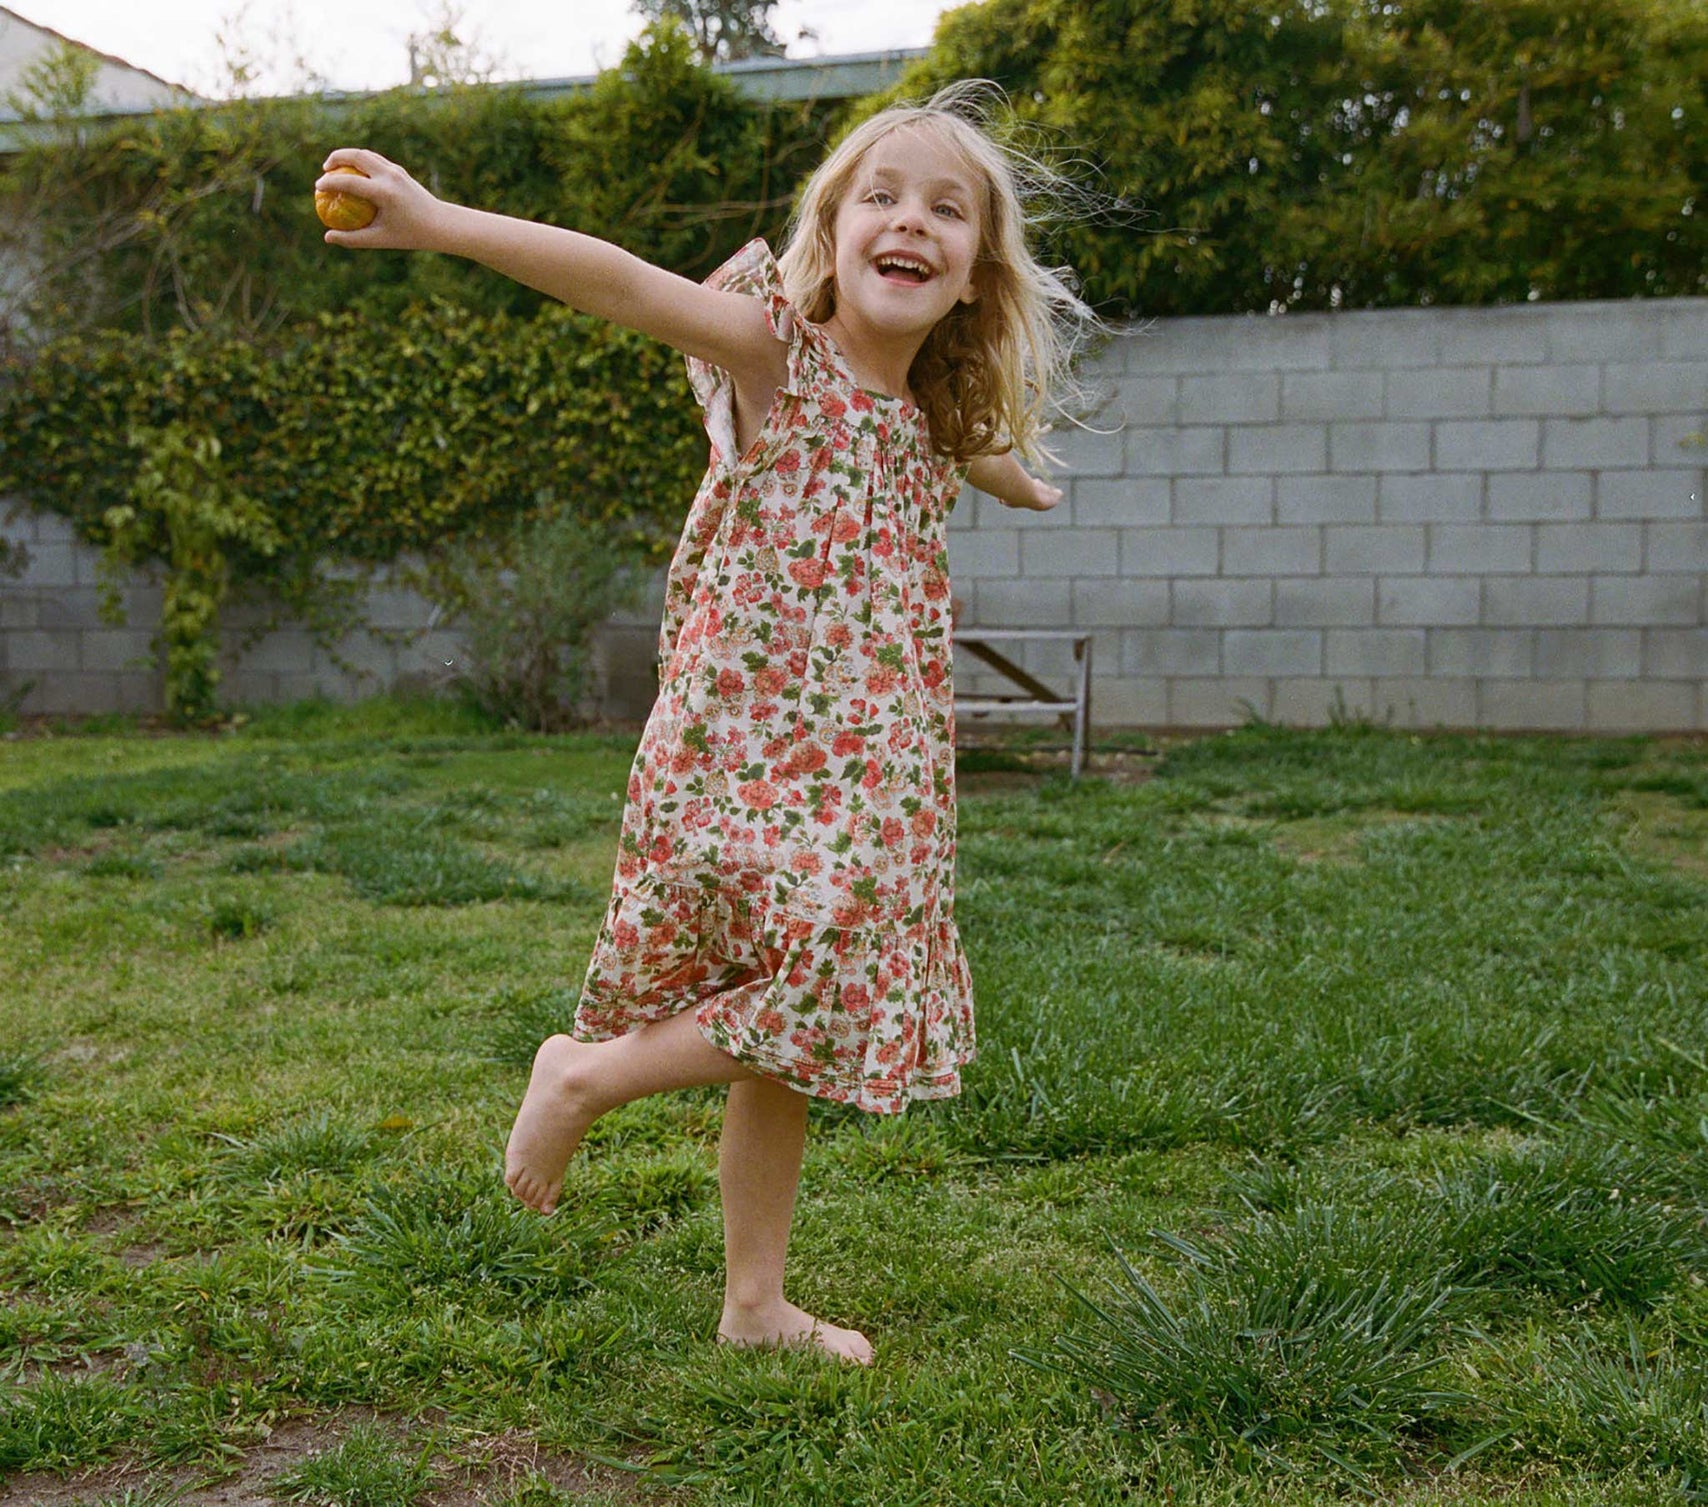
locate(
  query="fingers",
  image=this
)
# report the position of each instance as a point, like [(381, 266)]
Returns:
[(368, 162)]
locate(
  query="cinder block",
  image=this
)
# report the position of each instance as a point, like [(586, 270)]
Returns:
[(1381, 549), (1467, 653), (1675, 653), (1273, 449), (1084, 452), (1231, 398), (1650, 387), (1128, 703), (984, 552), (1146, 400), (1594, 444), (18, 610), (1526, 496), (1216, 703), (1384, 446), (1325, 602), (1646, 707), (1027, 602), (49, 567), (1489, 445), (1392, 338), (1431, 497), (1173, 452), (1071, 552), (1605, 330), (1171, 651), (366, 659), (74, 695), (1376, 651), (33, 652), (1224, 499), (1645, 600), (1271, 551), (1325, 499), (1592, 653), (115, 650), (1474, 549), (1169, 551), (1531, 705), (992, 514), (392, 608), (52, 528), (1258, 342), (1407, 702), (1111, 603), (1127, 502), (1536, 601), (1329, 395), (78, 608), (1485, 337), (1223, 604), (1316, 702), (1547, 391), (287, 651), (1452, 392), (1427, 602), (1648, 494), (962, 510), (1684, 333), (1273, 651), (1587, 548), (1678, 441), (1676, 547)]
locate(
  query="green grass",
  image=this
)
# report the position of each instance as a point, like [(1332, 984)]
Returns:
[(1339, 1129)]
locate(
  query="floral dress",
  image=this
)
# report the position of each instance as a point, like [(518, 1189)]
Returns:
[(786, 865)]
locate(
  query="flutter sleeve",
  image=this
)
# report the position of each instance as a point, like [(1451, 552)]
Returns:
[(753, 271)]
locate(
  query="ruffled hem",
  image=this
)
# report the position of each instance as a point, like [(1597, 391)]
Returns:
[(874, 1015)]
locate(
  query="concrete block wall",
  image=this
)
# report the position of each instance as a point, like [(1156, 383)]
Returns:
[(1462, 517)]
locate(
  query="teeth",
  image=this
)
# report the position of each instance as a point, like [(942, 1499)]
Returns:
[(904, 263)]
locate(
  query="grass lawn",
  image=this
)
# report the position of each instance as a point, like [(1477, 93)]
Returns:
[(1340, 1130)]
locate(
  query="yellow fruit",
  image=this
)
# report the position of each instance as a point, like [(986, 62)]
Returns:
[(343, 211)]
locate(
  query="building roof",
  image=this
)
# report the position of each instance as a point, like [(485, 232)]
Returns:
[(112, 59)]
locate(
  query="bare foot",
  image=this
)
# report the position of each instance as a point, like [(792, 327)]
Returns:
[(555, 1114), (783, 1326)]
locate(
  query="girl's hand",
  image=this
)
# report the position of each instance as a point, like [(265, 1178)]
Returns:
[(408, 217), (1038, 496)]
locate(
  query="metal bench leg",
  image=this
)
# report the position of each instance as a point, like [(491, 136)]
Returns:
[(1082, 712)]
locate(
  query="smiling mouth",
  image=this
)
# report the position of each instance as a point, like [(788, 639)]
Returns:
[(904, 269)]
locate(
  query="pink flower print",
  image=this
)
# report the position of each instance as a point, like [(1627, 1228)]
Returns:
[(759, 795), (730, 683), (808, 573)]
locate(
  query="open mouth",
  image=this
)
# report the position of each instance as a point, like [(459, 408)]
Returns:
[(904, 269)]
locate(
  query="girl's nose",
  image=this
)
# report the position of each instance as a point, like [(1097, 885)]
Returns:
[(908, 216)]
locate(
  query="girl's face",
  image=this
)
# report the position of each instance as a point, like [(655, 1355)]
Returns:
[(907, 235)]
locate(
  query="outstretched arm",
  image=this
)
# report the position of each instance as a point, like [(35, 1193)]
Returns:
[(726, 329), (1005, 479)]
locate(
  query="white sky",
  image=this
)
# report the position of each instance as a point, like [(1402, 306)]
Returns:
[(363, 44)]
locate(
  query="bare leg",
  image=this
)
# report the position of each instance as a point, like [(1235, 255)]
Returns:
[(759, 1168), (574, 1082)]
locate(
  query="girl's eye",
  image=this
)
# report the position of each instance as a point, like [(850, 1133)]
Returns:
[(953, 211), (880, 196)]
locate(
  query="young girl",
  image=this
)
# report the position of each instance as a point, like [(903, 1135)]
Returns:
[(782, 918)]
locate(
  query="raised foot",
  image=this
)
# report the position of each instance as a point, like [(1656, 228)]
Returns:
[(554, 1116), (788, 1327)]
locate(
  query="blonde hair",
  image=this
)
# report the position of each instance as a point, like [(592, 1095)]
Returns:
[(990, 372)]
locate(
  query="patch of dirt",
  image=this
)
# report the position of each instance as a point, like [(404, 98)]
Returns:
[(1012, 767), (484, 1471)]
